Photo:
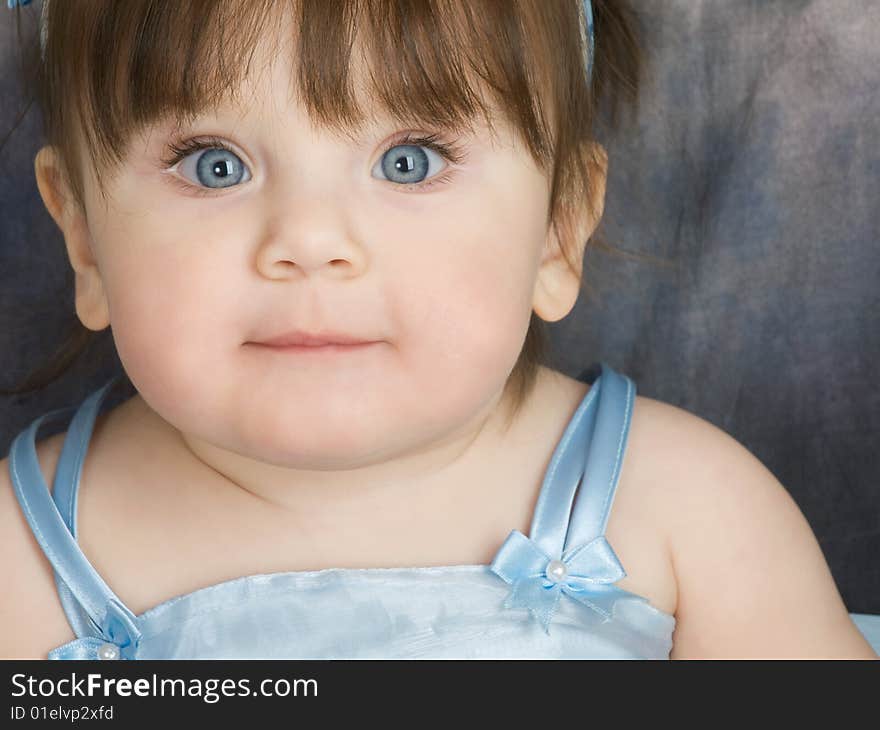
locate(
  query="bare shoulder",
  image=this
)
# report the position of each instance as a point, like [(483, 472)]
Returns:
[(31, 616), (751, 578)]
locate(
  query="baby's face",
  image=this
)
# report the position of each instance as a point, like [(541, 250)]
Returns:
[(299, 230)]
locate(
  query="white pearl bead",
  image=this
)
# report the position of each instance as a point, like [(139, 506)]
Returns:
[(108, 651), (557, 571)]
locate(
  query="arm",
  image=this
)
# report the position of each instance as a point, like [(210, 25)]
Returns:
[(752, 579)]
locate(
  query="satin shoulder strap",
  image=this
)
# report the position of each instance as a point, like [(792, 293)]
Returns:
[(65, 487), (54, 528), (589, 518), (575, 499), (65, 492)]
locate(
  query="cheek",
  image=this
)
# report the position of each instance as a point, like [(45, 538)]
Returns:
[(465, 294), (165, 313)]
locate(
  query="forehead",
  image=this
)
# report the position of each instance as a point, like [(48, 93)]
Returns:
[(349, 97), (271, 98)]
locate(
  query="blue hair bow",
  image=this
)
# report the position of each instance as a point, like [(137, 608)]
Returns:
[(12, 3), (588, 10)]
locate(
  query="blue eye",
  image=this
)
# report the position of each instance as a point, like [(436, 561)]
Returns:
[(406, 164), (217, 168)]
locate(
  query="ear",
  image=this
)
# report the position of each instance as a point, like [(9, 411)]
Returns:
[(557, 286), (91, 301)]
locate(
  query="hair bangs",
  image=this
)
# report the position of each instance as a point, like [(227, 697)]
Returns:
[(438, 64)]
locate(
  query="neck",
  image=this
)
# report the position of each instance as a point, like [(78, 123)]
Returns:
[(383, 488)]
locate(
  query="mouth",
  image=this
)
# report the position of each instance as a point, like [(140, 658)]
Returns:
[(326, 349), (317, 345), (298, 338)]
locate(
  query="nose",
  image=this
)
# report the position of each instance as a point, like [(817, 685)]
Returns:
[(313, 240)]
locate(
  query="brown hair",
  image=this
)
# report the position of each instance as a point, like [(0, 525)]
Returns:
[(168, 64)]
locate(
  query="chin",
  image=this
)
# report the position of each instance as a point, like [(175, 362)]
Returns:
[(319, 444)]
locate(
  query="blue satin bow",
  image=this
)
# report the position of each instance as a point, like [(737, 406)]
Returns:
[(584, 573), (118, 628)]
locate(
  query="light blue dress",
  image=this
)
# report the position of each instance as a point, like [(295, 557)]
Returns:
[(548, 595)]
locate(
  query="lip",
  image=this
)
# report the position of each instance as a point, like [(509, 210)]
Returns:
[(303, 340), (315, 350)]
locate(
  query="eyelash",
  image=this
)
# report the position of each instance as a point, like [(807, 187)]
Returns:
[(177, 150)]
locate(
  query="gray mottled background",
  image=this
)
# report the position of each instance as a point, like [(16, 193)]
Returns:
[(750, 180)]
